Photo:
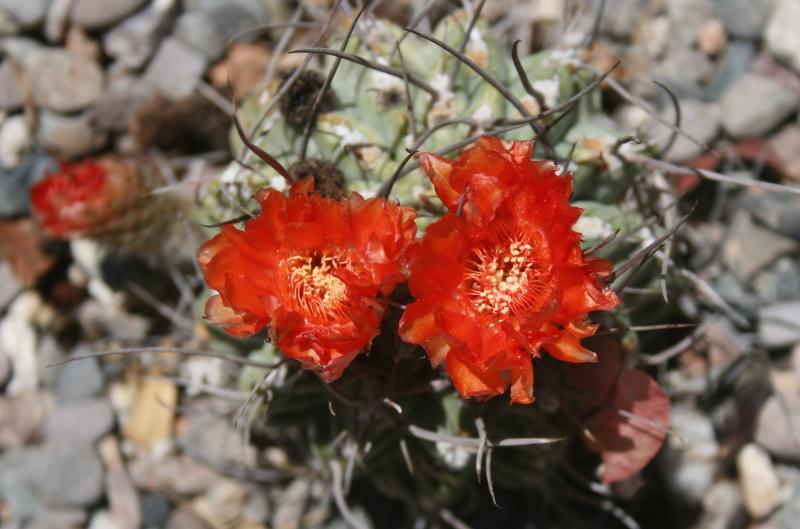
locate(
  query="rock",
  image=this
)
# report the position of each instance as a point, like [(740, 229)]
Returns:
[(743, 19), (97, 14), (21, 418), (155, 510), (22, 247), (81, 379), (58, 519), (69, 136), (132, 42), (780, 282), (754, 105), (176, 69), (103, 520), (781, 212), (99, 318), (743, 238), (49, 352), (14, 184), (26, 14), (122, 495), (186, 519), (734, 62), (57, 19), (16, 140), (684, 71), (80, 43), (777, 324), (10, 95), (115, 107), (712, 39), (63, 81), (687, 18), (223, 504), (787, 516), (291, 504), (690, 456), (699, 120), (173, 475), (19, 500), (628, 14), (199, 31), (152, 416), (722, 507), (9, 286), (786, 146), (5, 369), (85, 421), (234, 16), (243, 69), (778, 425), (65, 474), (781, 37), (20, 49), (210, 436), (18, 342), (758, 481)]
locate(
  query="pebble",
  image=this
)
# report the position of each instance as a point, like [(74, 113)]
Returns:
[(63, 81), (65, 474), (70, 136), (212, 437), (155, 510), (722, 507), (81, 379), (777, 324), (57, 20), (780, 212), (781, 36), (755, 104), (81, 422), (223, 503), (133, 41), (243, 69), (687, 18), (16, 140), (743, 237), (16, 492), (14, 184), (104, 520), (58, 519), (787, 516), (9, 286), (5, 369), (700, 120), (114, 108), (776, 425), (690, 456), (122, 496), (97, 14), (185, 518), (26, 13), (713, 40), (199, 31), (733, 63), (18, 341), (80, 43), (22, 418), (10, 96), (291, 504), (743, 19), (176, 69), (685, 71), (172, 475), (786, 146), (780, 282), (761, 489)]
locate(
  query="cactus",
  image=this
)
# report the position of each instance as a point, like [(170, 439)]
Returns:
[(392, 427)]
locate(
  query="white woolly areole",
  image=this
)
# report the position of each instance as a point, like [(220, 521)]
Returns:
[(593, 227)]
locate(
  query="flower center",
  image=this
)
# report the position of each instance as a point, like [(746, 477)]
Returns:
[(508, 274), (313, 287)]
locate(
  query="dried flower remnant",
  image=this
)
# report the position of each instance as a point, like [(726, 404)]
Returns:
[(312, 269), (505, 277)]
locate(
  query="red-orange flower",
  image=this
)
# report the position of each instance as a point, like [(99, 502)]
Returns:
[(507, 277), (310, 268)]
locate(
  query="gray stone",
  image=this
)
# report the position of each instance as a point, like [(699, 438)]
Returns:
[(63, 81), (626, 19), (699, 120), (9, 286), (155, 510), (133, 41), (8, 26), (199, 31), (79, 380), (10, 95), (781, 37), (114, 108), (780, 211), (176, 69), (787, 516), (184, 518), (84, 421), (786, 146), (57, 19), (71, 136), (179, 475), (58, 519), (49, 352), (690, 455), (743, 18), (96, 14), (121, 325), (16, 140), (66, 474), (685, 71), (755, 104), (778, 426), (20, 49), (736, 60), (749, 249), (778, 324), (26, 13), (687, 18), (14, 184), (722, 507), (780, 282), (291, 504), (15, 490)]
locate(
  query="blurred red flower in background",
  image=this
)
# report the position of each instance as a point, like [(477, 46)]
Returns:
[(311, 269), (505, 278)]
